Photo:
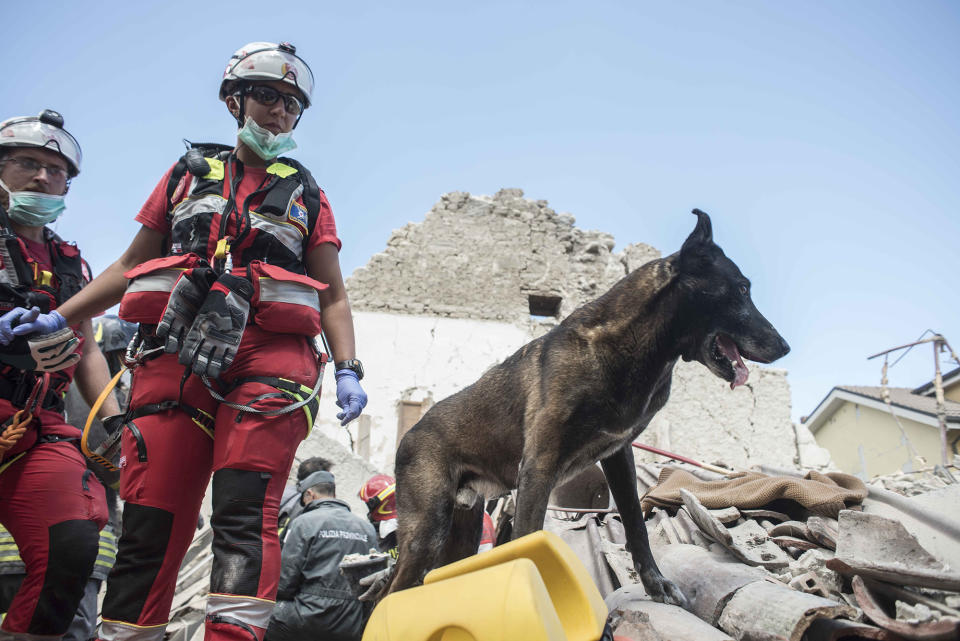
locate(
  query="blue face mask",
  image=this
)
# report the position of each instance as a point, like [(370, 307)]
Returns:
[(33, 208), (263, 142)]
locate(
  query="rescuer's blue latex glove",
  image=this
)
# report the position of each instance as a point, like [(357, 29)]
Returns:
[(11, 318), (350, 396), (40, 324)]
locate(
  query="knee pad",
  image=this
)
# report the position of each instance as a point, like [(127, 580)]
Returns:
[(73, 547), (237, 521), (143, 546)]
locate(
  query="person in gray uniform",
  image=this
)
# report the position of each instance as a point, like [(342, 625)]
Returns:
[(313, 599)]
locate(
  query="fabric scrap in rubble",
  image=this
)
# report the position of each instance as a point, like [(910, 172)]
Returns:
[(823, 494)]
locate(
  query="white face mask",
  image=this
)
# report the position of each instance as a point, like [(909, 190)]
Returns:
[(386, 527), (33, 208), (263, 142)]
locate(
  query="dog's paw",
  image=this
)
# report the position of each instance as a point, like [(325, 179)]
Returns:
[(663, 590)]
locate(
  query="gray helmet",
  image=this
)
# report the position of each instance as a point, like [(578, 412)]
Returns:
[(44, 131)]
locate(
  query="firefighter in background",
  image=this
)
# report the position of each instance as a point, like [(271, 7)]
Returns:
[(379, 494), (49, 502), (233, 270)]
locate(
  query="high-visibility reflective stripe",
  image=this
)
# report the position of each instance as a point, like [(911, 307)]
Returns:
[(280, 291), (13, 558), (288, 234), (195, 205), (248, 609), (119, 631), (108, 534), (161, 281), (8, 546), (106, 564)]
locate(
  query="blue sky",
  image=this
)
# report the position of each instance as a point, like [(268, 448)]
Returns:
[(821, 137)]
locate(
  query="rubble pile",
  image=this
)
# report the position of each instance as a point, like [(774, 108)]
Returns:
[(776, 572)]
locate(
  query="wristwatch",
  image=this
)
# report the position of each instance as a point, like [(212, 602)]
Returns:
[(353, 364)]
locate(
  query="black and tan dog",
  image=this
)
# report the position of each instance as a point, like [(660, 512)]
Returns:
[(579, 394)]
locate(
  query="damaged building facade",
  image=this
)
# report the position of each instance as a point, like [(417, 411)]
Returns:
[(481, 276)]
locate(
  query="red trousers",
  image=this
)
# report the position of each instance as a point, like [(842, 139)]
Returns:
[(167, 462), (54, 508)]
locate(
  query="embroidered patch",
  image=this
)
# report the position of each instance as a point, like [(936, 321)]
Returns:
[(298, 216), (175, 248)]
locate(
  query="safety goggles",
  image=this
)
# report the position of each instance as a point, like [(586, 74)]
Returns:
[(268, 96), (29, 166)]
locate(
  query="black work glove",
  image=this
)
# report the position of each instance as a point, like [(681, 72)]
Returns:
[(211, 344), (186, 298)]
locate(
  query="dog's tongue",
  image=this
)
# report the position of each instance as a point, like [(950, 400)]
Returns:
[(729, 349)]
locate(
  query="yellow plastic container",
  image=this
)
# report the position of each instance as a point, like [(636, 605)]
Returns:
[(531, 589)]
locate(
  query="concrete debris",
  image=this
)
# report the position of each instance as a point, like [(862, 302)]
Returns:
[(707, 579), (823, 530), (943, 629), (793, 543), (748, 542), (837, 629), (788, 598), (917, 613), (772, 515), (795, 529), (669, 621), (881, 548), (776, 609), (726, 515)]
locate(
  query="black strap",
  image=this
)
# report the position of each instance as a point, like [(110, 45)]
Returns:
[(310, 196), (155, 408), (16, 385)]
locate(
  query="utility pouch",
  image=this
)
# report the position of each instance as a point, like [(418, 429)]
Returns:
[(150, 286), (285, 302)]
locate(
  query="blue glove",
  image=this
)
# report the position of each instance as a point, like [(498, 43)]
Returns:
[(350, 396), (11, 318), (40, 324)]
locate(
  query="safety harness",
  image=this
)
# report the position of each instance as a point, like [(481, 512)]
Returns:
[(23, 283), (270, 242), (278, 232)]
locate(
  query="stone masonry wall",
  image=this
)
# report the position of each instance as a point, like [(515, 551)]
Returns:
[(481, 257)]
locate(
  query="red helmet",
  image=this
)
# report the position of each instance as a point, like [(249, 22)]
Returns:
[(380, 495)]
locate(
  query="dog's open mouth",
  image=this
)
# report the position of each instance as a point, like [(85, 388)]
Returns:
[(727, 355)]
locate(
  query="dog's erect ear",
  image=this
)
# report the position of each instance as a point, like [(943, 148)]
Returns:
[(702, 233), (694, 249)]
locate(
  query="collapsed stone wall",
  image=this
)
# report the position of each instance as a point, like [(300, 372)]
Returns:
[(481, 257)]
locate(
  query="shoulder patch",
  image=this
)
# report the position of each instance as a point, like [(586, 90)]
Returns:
[(298, 216)]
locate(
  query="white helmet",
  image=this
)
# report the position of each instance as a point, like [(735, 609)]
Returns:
[(268, 61), (45, 130)]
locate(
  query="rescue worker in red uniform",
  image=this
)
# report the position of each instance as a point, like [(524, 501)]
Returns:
[(50, 503), (233, 270)]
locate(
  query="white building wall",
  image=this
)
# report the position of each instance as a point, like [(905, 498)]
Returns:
[(412, 358)]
